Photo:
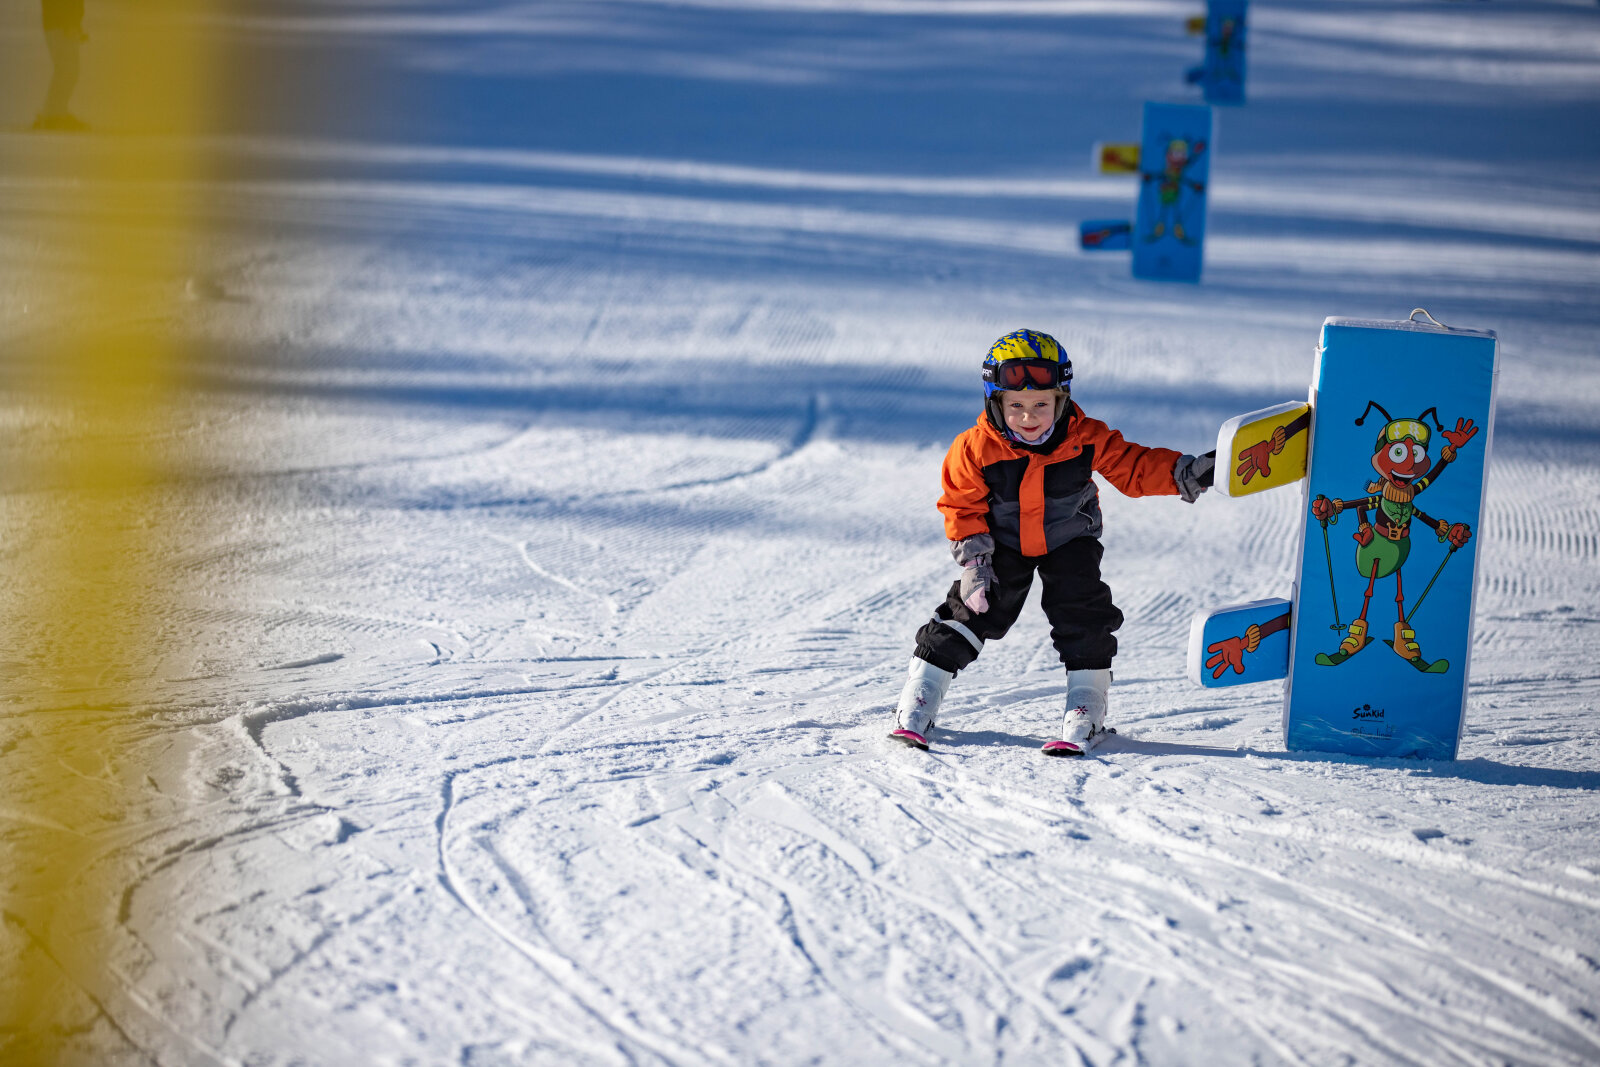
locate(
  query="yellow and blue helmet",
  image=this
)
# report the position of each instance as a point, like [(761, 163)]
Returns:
[(1026, 359)]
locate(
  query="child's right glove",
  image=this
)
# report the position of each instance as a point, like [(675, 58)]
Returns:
[(976, 556), (1194, 475)]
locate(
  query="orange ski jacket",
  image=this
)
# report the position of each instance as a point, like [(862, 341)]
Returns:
[(1037, 499)]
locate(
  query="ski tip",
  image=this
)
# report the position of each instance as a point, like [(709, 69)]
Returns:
[(1074, 748), (910, 737)]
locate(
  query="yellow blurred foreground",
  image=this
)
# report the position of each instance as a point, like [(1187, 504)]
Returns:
[(87, 380)]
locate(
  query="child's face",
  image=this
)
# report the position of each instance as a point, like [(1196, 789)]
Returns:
[(1029, 412)]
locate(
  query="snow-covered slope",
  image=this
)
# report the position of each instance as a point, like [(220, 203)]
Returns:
[(571, 387)]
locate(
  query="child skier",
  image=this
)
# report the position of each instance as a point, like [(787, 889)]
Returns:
[(1018, 498)]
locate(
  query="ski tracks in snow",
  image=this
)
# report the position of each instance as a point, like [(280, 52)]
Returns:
[(696, 851)]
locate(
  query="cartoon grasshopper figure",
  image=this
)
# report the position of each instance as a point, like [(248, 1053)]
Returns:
[(1170, 181), (1384, 544)]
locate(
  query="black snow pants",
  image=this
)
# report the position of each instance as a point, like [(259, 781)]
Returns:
[(1075, 600)]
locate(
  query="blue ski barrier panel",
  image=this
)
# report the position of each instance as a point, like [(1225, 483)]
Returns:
[(1402, 418), (1174, 163), (1222, 73)]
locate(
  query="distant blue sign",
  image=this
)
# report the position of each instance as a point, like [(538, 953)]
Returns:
[(1174, 163), (1105, 235), (1221, 76)]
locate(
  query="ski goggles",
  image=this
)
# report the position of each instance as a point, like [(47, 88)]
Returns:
[(1025, 374), (1400, 429)]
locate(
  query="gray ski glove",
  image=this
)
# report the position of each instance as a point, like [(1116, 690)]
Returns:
[(976, 556), (1193, 475)]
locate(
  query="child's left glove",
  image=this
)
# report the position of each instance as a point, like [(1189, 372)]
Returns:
[(976, 556), (1194, 475)]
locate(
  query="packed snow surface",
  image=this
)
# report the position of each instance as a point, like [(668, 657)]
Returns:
[(571, 383)]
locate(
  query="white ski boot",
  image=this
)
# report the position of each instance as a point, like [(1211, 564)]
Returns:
[(1083, 726), (919, 702)]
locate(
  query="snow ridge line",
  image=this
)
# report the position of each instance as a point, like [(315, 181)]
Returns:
[(796, 903), (606, 600), (257, 721), (808, 429), (1539, 1002), (788, 920), (326, 934), (211, 1056), (1205, 961), (619, 688), (810, 425), (1399, 849), (189, 846), (562, 972), (254, 723)]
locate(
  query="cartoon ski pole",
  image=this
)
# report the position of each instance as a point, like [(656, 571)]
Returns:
[(1412, 613), (1333, 587)]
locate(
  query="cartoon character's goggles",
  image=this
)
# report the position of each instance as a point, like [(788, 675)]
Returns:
[(1026, 374), (1400, 429)]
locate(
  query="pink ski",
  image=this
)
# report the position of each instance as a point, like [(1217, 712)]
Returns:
[(1075, 748), (910, 737)]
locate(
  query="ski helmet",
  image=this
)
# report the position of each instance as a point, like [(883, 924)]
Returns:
[(1026, 359)]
